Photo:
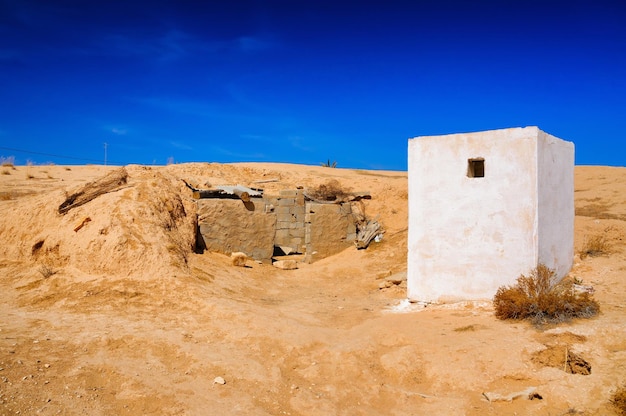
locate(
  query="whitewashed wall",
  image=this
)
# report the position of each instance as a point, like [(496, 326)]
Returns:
[(556, 203), (469, 236)]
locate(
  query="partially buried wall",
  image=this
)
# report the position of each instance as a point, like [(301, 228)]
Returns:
[(288, 222), (230, 225)]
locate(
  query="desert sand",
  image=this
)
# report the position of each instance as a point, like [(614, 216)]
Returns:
[(117, 315)]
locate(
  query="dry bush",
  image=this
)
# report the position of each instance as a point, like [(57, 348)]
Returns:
[(46, 271), (5, 172), (330, 191), (595, 245), (536, 298), (618, 400), (7, 162)]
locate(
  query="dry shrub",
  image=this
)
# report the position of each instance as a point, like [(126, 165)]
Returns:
[(7, 162), (595, 245), (46, 271), (618, 400), (329, 191), (536, 298)]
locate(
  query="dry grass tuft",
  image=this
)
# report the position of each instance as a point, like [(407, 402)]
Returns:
[(46, 271), (618, 400), (5, 172), (329, 191), (7, 162), (536, 298), (595, 245)]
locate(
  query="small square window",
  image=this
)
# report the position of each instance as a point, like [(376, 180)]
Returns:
[(476, 168)]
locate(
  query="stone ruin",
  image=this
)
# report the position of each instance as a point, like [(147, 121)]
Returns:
[(264, 227)]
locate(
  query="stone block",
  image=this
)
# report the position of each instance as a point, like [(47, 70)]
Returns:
[(286, 202), (297, 232), (282, 234), (227, 226), (283, 225), (288, 193), (286, 264)]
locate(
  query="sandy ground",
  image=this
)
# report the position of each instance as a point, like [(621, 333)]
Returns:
[(122, 317)]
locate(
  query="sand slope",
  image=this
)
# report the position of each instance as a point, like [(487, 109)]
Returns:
[(122, 317)]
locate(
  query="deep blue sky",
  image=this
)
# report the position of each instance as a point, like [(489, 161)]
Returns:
[(304, 81)]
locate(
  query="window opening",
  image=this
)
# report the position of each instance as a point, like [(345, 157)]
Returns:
[(476, 168)]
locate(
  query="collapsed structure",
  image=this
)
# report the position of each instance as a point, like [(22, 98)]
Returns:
[(486, 207), (264, 226)]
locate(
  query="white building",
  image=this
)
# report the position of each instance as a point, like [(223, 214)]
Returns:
[(485, 208)]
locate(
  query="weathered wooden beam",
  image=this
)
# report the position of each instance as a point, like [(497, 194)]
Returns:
[(227, 192), (111, 182)]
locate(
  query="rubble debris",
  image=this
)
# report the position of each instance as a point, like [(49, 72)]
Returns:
[(226, 191), (367, 233)]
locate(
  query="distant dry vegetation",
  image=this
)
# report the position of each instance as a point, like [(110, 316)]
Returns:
[(329, 191), (7, 162), (536, 298), (595, 245)]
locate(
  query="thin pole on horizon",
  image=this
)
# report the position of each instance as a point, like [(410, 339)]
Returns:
[(105, 153)]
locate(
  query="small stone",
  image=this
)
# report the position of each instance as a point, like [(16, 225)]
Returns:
[(239, 259), (286, 264), (397, 278), (47, 365), (385, 284), (219, 380)]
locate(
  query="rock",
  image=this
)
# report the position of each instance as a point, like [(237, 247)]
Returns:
[(219, 380), (286, 264), (385, 284), (239, 259), (397, 278)]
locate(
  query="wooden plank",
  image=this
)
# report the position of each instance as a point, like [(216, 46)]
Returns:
[(111, 182)]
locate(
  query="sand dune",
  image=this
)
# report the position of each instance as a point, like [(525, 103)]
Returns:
[(118, 315)]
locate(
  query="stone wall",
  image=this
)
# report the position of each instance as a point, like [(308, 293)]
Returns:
[(230, 225), (290, 230), (287, 222), (329, 229)]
